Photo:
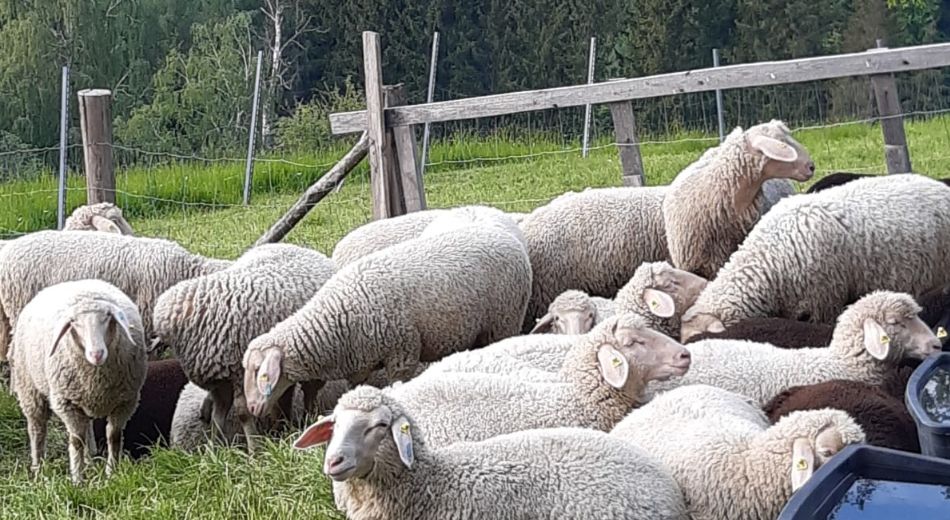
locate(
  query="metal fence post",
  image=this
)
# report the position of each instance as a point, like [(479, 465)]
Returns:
[(252, 131), (63, 122), (590, 79)]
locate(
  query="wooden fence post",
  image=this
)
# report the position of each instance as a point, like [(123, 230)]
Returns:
[(379, 156), (409, 176), (896, 154), (95, 116), (625, 131), (395, 198)]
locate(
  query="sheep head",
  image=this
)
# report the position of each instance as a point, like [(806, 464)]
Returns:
[(572, 312), (93, 326), (782, 156), (362, 426)]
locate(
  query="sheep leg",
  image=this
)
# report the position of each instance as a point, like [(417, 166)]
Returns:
[(36, 409), (248, 421), (223, 398), (91, 448), (310, 391), (115, 426), (77, 425)]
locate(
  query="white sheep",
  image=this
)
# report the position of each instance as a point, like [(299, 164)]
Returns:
[(603, 376), (78, 349), (813, 254), (727, 461), (710, 208), (103, 216), (574, 312), (382, 467), (208, 321), (536, 357), (479, 216), (415, 301), (142, 268), (592, 241), (380, 234), (870, 340), (657, 292)]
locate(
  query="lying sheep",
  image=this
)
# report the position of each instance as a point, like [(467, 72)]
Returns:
[(883, 417), (574, 312), (78, 349), (208, 321), (660, 294), (809, 256), (415, 301), (602, 378), (142, 268), (150, 425), (870, 340), (103, 216), (727, 465), (531, 358), (383, 467), (709, 210), (592, 241)]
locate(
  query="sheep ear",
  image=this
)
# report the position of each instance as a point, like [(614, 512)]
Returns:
[(402, 435), (660, 303), (318, 433), (773, 148), (803, 463), (544, 324), (716, 327), (876, 340), (613, 366), (63, 328), (123, 321), (104, 224), (269, 372)]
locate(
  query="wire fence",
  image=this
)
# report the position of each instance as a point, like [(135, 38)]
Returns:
[(515, 163)]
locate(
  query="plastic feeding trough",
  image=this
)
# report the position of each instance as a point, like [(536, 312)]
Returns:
[(928, 400), (871, 483)]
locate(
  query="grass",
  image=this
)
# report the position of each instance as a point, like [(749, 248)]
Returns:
[(199, 206)]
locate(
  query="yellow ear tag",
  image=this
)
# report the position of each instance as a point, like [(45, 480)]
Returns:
[(263, 378), (941, 332), (801, 464), (615, 361), (404, 429), (884, 339), (654, 304)]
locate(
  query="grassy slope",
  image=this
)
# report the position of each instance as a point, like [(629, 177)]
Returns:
[(223, 483)]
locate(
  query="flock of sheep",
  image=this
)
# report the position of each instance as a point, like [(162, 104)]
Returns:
[(481, 364)]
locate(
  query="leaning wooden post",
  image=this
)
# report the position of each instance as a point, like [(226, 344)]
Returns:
[(896, 154), (625, 130), (376, 126), (408, 175), (95, 115)]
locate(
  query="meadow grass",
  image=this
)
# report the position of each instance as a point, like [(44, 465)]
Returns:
[(199, 206)]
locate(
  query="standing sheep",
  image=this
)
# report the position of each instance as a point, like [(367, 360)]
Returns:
[(708, 210), (813, 254), (208, 321), (781, 332), (729, 465), (592, 241), (142, 268), (78, 349), (103, 216), (883, 417), (870, 340), (536, 357), (383, 467), (603, 376), (415, 301), (380, 234)]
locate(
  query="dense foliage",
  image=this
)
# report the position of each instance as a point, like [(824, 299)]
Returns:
[(183, 70)]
